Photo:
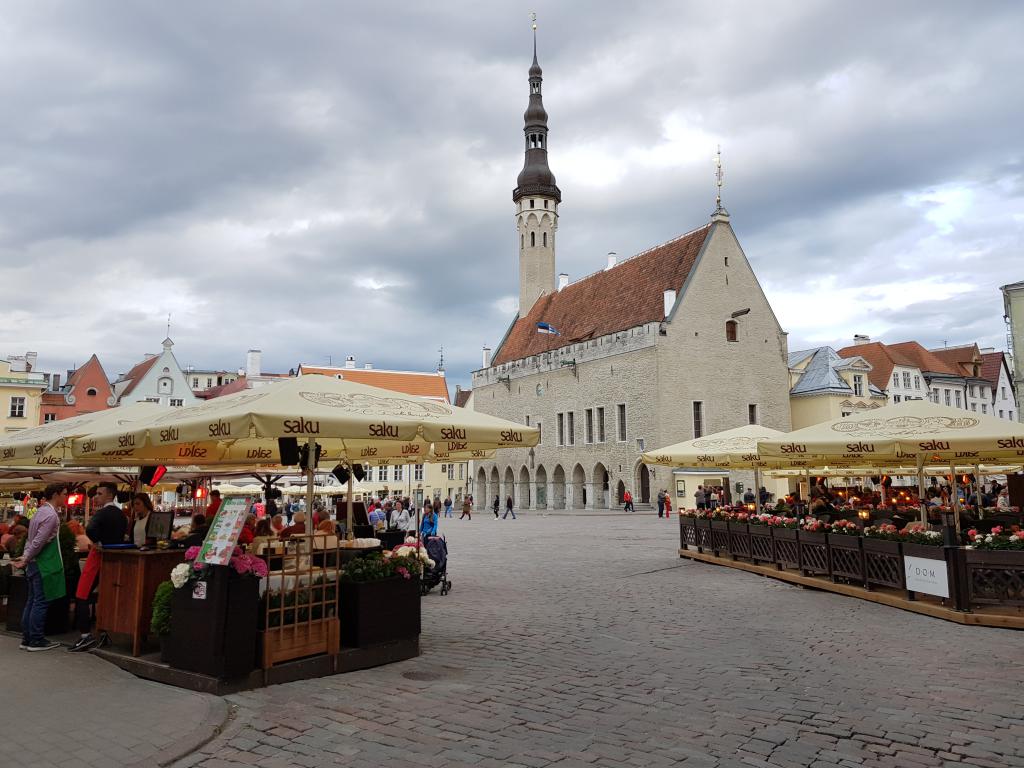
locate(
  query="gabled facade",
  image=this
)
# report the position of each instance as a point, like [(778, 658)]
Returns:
[(996, 371), (897, 375), (966, 362), (675, 342), (21, 392), (826, 386), (157, 379), (86, 390)]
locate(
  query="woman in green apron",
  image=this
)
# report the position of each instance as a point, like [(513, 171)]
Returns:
[(44, 568)]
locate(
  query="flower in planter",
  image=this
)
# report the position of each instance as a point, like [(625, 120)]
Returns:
[(813, 525), (845, 527), (180, 574), (918, 533), (191, 553), (885, 531), (999, 538)]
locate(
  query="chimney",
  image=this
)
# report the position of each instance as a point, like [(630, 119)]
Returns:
[(30, 361), (987, 350), (611, 260), (487, 358), (670, 301), (563, 280), (54, 382), (253, 363), (367, 366), (860, 338), (350, 362)]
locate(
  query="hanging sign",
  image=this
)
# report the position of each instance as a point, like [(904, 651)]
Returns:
[(926, 575), (222, 537)]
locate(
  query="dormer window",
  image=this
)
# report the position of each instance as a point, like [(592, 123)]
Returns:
[(91, 391)]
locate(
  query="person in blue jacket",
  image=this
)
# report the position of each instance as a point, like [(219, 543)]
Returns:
[(428, 527)]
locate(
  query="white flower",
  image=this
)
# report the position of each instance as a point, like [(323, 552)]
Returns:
[(179, 575)]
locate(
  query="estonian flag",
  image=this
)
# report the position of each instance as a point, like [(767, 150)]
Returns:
[(546, 328)]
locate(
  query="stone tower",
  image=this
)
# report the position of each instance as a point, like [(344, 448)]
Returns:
[(536, 197)]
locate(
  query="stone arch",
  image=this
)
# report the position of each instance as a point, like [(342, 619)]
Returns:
[(599, 487), (493, 490), (480, 491), (523, 498), (532, 221), (620, 492), (578, 496), (509, 488), (541, 493), (643, 485), (558, 488)]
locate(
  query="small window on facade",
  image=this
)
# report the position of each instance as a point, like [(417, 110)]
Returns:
[(622, 422), (858, 385), (731, 330), (533, 237), (545, 204), (561, 428), (532, 203), (49, 417), (600, 425), (698, 419), (570, 427), (752, 413), (91, 391), (727, 261), (522, 241), (544, 239)]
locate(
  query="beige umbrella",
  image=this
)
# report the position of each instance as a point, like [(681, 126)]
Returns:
[(343, 417), (730, 449), (916, 432), (49, 444)]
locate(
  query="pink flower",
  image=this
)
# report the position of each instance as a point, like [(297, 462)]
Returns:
[(402, 571), (259, 568), (198, 566), (239, 564), (192, 553), (237, 552)]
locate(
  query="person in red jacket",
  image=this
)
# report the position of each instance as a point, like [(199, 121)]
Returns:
[(248, 532), (627, 499)]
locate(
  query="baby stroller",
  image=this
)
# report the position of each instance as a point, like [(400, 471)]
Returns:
[(437, 550)]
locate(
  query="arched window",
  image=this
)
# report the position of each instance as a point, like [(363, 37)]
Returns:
[(533, 239), (522, 241), (91, 391), (732, 330), (544, 239)]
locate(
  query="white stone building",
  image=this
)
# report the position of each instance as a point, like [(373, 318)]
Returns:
[(996, 371), (675, 342), (157, 379)]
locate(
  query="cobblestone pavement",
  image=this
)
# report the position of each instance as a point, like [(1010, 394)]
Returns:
[(64, 710), (575, 641)]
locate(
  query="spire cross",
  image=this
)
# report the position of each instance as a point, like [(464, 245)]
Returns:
[(168, 325), (719, 176)]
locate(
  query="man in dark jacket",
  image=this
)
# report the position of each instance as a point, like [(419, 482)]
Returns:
[(107, 525)]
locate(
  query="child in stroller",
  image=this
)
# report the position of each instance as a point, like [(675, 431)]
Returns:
[(437, 550)]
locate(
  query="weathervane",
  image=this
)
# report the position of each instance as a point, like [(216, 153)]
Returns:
[(440, 365), (533, 18), (719, 177), (168, 325)]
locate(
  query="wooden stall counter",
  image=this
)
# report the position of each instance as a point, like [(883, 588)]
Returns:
[(128, 582)]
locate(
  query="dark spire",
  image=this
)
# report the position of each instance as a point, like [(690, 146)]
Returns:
[(536, 178)]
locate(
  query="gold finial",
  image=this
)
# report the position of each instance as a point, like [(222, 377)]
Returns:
[(719, 176), (533, 18)]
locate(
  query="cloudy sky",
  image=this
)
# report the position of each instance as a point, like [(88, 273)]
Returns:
[(319, 179)]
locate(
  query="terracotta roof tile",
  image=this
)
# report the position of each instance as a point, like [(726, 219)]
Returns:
[(136, 374), (878, 357), (960, 359), (920, 357), (992, 363), (230, 388), (625, 296), (409, 382)]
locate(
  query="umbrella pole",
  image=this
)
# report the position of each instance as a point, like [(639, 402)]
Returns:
[(956, 506), (757, 491), (977, 488), (807, 501), (921, 503), (311, 443), (348, 511)]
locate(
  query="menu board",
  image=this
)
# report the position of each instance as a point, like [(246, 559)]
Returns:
[(222, 537)]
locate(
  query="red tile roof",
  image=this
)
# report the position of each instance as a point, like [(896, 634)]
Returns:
[(136, 374), (462, 397), (220, 390), (625, 296), (992, 363), (878, 357), (912, 353), (961, 359), (416, 383), (883, 357)]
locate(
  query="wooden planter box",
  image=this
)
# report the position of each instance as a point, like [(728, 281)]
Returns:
[(739, 540), (58, 619), (995, 577), (813, 553), (720, 537), (787, 548), (762, 548), (702, 530), (299, 641), (373, 612), (883, 564), (687, 532), (928, 552), (846, 557), (215, 636)]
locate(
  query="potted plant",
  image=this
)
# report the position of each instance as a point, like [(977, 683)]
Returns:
[(720, 530), (784, 541), (379, 596), (918, 541), (846, 556), (739, 535), (762, 548), (883, 561), (687, 529), (215, 610), (1001, 551), (813, 547), (160, 623)]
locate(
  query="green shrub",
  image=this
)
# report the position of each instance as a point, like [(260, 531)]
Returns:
[(160, 624)]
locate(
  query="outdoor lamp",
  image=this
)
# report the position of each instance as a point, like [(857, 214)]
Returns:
[(864, 514)]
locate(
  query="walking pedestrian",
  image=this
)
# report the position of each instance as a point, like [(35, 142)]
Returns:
[(448, 506), (668, 505), (467, 508), (627, 500), (661, 503), (508, 508), (714, 498), (495, 506), (700, 498), (44, 570)]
